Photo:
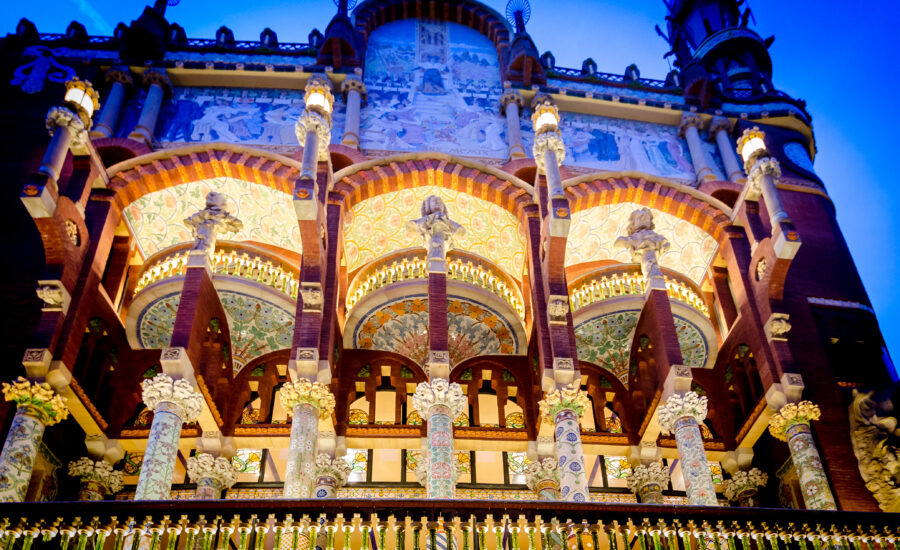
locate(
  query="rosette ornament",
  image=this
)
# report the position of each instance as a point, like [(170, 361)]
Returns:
[(304, 392), (163, 389), (542, 477), (791, 415), (743, 487), (331, 474), (39, 400), (211, 474), (570, 398), (437, 393), (647, 482), (680, 406), (98, 479)]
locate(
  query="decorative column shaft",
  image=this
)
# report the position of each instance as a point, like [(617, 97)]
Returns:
[(441, 402), (792, 424), (98, 479), (743, 487), (308, 402), (549, 153), (565, 407), (108, 119), (354, 96), (331, 475), (682, 415), (719, 129), (313, 127), (37, 407), (158, 85), (173, 403), (648, 481), (542, 477), (68, 130), (689, 130), (510, 103), (211, 474), (763, 172)]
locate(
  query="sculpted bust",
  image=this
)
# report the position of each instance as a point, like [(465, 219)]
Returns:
[(437, 229), (208, 223)]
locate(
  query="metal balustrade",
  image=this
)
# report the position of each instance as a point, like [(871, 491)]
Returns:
[(627, 280)]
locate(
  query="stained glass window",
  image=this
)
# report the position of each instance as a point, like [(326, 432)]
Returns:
[(715, 470), (247, 461), (517, 463), (132, 463), (464, 461), (145, 418), (249, 416), (461, 420), (614, 424), (515, 420), (358, 459), (705, 432), (617, 467), (358, 417), (412, 460), (414, 419)]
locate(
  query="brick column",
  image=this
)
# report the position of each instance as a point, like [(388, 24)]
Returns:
[(682, 415), (308, 402)]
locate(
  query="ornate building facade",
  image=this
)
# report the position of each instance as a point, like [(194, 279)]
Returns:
[(412, 279)]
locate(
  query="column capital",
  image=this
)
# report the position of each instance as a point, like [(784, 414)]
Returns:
[(163, 389), (440, 392), (354, 83), (742, 481), (99, 471), (313, 121), (676, 407), (719, 124), (646, 474), (304, 392), (335, 468), (791, 415), (207, 466), (643, 242), (121, 75), (63, 117), (548, 141), (158, 77), (542, 474), (569, 398), (38, 399), (765, 166), (689, 120), (511, 95)]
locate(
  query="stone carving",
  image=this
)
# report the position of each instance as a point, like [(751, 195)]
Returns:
[(543, 476), (95, 475), (719, 124), (63, 117), (208, 223), (648, 475), (335, 468), (645, 244), (52, 293), (743, 481), (761, 266), (558, 308), (778, 326), (876, 443), (438, 231), (171, 354), (311, 393), (31, 76), (440, 392), (511, 96), (548, 141), (162, 389), (570, 398), (680, 406), (792, 414), (763, 167), (311, 293), (355, 84), (689, 120), (312, 121), (38, 398), (72, 232), (206, 466)]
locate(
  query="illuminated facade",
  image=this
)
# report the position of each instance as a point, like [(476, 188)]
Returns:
[(415, 260)]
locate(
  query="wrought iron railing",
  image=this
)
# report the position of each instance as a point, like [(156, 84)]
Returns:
[(231, 260), (605, 77), (627, 280), (199, 43), (411, 264)]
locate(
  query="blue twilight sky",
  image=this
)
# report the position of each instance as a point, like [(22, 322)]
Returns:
[(837, 57)]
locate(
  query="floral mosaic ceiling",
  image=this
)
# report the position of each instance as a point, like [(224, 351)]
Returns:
[(402, 327), (157, 219), (605, 340), (593, 232), (377, 226), (257, 327)]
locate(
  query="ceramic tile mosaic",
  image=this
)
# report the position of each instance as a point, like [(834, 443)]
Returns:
[(698, 483), (19, 453), (158, 466), (813, 481), (300, 473)]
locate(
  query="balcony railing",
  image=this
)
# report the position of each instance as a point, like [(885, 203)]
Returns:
[(231, 260), (414, 523), (627, 280), (411, 264)]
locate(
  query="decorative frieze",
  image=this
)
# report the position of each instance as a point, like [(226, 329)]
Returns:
[(688, 404), (98, 478), (163, 389), (440, 393), (38, 399), (569, 398), (303, 391), (743, 486)]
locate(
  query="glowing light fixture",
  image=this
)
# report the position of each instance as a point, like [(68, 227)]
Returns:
[(752, 144), (544, 115), (83, 97), (318, 95)]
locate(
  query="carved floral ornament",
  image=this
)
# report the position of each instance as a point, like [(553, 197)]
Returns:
[(100, 471), (304, 392), (646, 474), (542, 471), (763, 167), (162, 389), (440, 392), (792, 414), (680, 406), (37, 397), (744, 480), (570, 398), (876, 444), (335, 468), (207, 466), (548, 141), (311, 121)]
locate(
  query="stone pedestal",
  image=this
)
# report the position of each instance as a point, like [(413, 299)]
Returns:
[(647, 482), (37, 407), (308, 402), (211, 474), (792, 424), (542, 477), (743, 487), (98, 479), (173, 403), (681, 415), (440, 402), (331, 475), (564, 407)]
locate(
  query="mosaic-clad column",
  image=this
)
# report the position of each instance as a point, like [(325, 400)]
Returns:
[(331, 475), (120, 79), (647, 482), (354, 96), (173, 403), (98, 479), (510, 103), (689, 130), (308, 402), (542, 477), (682, 415), (212, 474), (37, 407), (720, 129), (441, 402), (564, 407), (743, 487), (158, 85), (791, 424)]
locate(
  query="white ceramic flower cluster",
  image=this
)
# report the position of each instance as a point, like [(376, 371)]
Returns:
[(161, 388), (743, 480), (792, 414), (311, 393), (440, 392), (100, 471), (645, 474), (205, 465), (39, 396), (571, 398), (335, 468), (680, 406)]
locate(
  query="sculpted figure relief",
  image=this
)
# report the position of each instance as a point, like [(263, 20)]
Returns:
[(437, 229), (645, 244), (876, 443), (208, 223)]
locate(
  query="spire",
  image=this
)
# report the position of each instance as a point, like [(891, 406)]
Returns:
[(525, 65)]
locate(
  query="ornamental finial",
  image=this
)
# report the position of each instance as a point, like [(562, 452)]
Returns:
[(570, 398), (680, 406), (163, 389), (792, 414), (309, 393), (37, 397)]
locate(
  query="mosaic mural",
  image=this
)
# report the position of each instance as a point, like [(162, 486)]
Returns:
[(257, 327), (432, 86), (594, 230), (402, 327), (605, 341), (157, 219), (377, 226)]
